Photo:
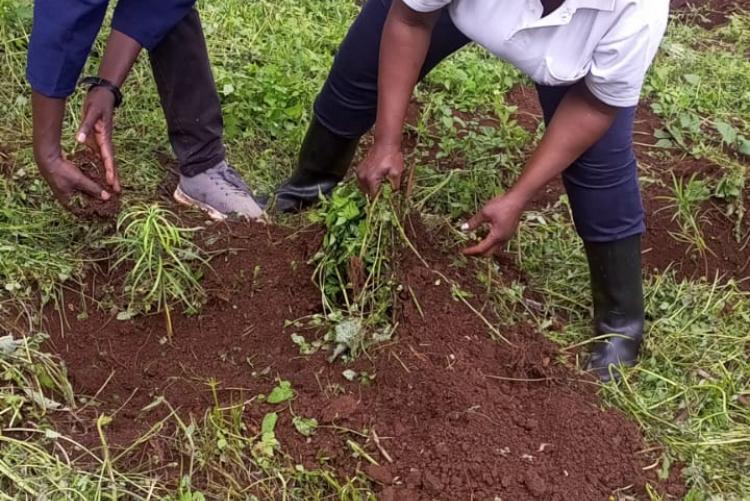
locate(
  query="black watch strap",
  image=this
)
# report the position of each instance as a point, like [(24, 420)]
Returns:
[(92, 82)]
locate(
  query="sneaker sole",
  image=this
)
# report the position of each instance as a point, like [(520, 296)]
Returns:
[(183, 198)]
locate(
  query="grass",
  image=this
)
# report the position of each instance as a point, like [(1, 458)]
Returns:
[(686, 202), (690, 394)]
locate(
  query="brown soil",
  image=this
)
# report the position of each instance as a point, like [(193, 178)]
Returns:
[(708, 13), (90, 207), (529, 112), (728, 257), (461, 416)]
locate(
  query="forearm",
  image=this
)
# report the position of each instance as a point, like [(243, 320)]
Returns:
[(406, 39), (579, 122), (47, 116), (119, 57)]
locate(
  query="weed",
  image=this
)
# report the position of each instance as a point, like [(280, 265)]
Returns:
[(162, 260), (354, 268), (686, 202), (699, 87)]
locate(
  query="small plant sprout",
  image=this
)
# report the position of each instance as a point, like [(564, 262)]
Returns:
[(163, 262)]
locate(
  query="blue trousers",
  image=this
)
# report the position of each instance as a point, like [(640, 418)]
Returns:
[(602, 184)]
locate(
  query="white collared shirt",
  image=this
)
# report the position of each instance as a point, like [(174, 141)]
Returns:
[(608, 43)]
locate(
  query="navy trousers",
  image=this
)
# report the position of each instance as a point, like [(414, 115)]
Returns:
[(602, 184)]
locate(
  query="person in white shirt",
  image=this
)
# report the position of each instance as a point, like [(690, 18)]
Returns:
[(588, 59)]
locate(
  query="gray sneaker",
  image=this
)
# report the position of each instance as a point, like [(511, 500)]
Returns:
[(219, 192)]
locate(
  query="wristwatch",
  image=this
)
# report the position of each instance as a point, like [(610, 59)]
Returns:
[(92, 82)]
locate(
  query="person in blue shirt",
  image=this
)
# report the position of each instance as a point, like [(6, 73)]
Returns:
[(170, 30)]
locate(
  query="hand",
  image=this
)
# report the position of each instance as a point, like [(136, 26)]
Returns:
[(66, 179), (380, 164), (96, 131), (502, 215)]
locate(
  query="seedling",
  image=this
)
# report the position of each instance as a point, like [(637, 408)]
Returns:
[(163, 259), (281, 393)]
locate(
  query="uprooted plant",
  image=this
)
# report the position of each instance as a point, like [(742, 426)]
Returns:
[(166, 264), (355, 268)]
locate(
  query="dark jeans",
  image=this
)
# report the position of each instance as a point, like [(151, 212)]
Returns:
[(602, 184), (188, 96)]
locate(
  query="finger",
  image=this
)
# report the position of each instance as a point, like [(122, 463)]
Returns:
[(394, 176), (104, 141), (373, 185), (475, 222), (484, 247), (362, 182), (90, 187), (87, 125), (62, 197)]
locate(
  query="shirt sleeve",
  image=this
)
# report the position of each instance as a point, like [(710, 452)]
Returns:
[(426, 5), (61, 37), (148, 21), (624, 55)]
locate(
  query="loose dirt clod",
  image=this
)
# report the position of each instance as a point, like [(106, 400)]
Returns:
[(87, 207), (452, 432)]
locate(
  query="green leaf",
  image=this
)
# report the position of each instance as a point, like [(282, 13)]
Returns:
[(269, 423), (727, 131), (743, 145), (281, 393), (305, 426), (692, 79)]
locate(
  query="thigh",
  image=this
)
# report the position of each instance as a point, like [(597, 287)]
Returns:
[(602, 184), (347, 104)]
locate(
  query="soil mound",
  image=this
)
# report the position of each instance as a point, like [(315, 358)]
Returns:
[(446, 413)]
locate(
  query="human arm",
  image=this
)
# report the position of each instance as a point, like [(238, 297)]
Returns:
[(404, 45), (578, 123), (98, 108), (63, 177), (57, 53)]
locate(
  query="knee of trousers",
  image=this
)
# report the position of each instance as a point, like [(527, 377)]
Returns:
[(606, 206)]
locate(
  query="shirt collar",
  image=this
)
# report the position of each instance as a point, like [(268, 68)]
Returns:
[(608, 5)]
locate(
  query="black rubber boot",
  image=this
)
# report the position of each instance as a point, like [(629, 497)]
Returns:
[(323, 162), (617, 289)]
